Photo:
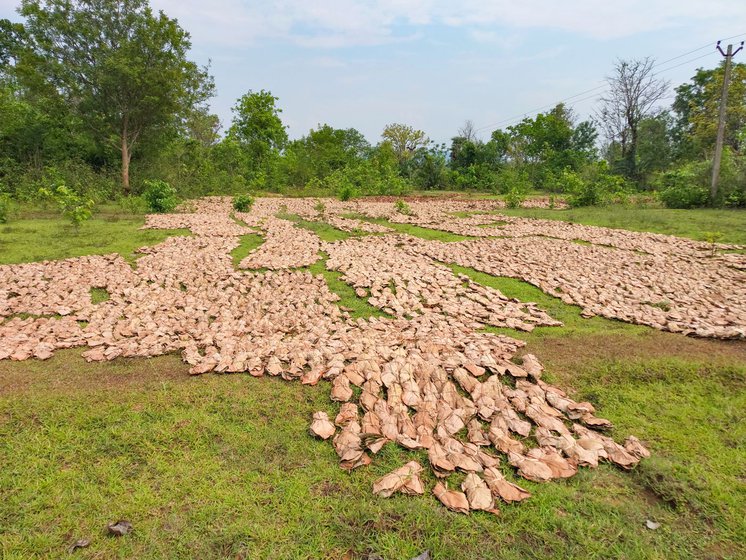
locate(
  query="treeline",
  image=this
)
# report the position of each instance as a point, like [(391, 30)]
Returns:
[(98, 97)]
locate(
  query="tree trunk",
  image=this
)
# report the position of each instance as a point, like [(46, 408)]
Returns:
[(632, 155), (126, 156)]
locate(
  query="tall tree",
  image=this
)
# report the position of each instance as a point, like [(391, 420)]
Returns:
[(468, 131), (634, 92), (697, 104), (257, 126), (123, 69), (404, 140)]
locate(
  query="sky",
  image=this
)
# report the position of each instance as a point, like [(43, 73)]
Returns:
[(433, 64)]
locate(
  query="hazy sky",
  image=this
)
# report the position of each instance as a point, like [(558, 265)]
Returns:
[(435, 63)]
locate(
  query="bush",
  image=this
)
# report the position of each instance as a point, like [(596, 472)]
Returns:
[(402, 207), (685, 195), (511, 179), (72, 206), (366, 178), (243, 202), (479, 177), (684, 187), (594, 185), (514, 183), (4, 208), (581, 192), (346, 192), (160, 196), (515, 197)]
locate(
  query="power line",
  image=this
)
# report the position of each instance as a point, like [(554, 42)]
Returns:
[(604, 85)]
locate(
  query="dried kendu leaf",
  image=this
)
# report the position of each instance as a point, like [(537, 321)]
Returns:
[(455, 501), (478, 494), (120, 528), (321, 426), (506, 490), (395, 481)]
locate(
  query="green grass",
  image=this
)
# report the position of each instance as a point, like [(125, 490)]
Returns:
[(356, 306), (695, 224), (223, 467), (574, 324), (247, 243), (99, 295), (51, 238)]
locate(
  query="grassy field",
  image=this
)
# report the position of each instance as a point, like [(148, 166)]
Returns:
[(221, 466), (37, 235)]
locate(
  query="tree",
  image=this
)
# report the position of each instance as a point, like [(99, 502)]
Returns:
[(404, 140), (550, 143), (468, 131), (654, 149), (633, 93), (696, 106), (257, 126), (203, 127), (119, 66)]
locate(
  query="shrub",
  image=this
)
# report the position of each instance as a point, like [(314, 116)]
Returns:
[(160, 196), (594, 185), (243, 202), (686, 195), (683, 187), (366, 178), (320, 207), (479, 177), (346, 192), (515, 197), (4, 208), (511, 179), (581, 192), (515, 185), (402, 207), (72, 206)]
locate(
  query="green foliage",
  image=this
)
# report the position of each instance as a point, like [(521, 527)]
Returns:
[(427, 169), (258, 128), (697, 106), (685, 186), (127, 76), (346, 192), (514, 198), (594, 185), (160, 196), (480, 177), (5, 206), (683, 193), (369, 177), (72, 206), (402, 207), (243, 202), (133, 204), (512, 179), (405, 140)]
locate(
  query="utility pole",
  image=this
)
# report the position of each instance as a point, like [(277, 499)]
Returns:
[(729, 54)]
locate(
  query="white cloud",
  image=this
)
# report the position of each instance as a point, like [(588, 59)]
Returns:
[(345, 23)]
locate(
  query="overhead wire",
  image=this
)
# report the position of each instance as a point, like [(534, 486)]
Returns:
[(604, 86)]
